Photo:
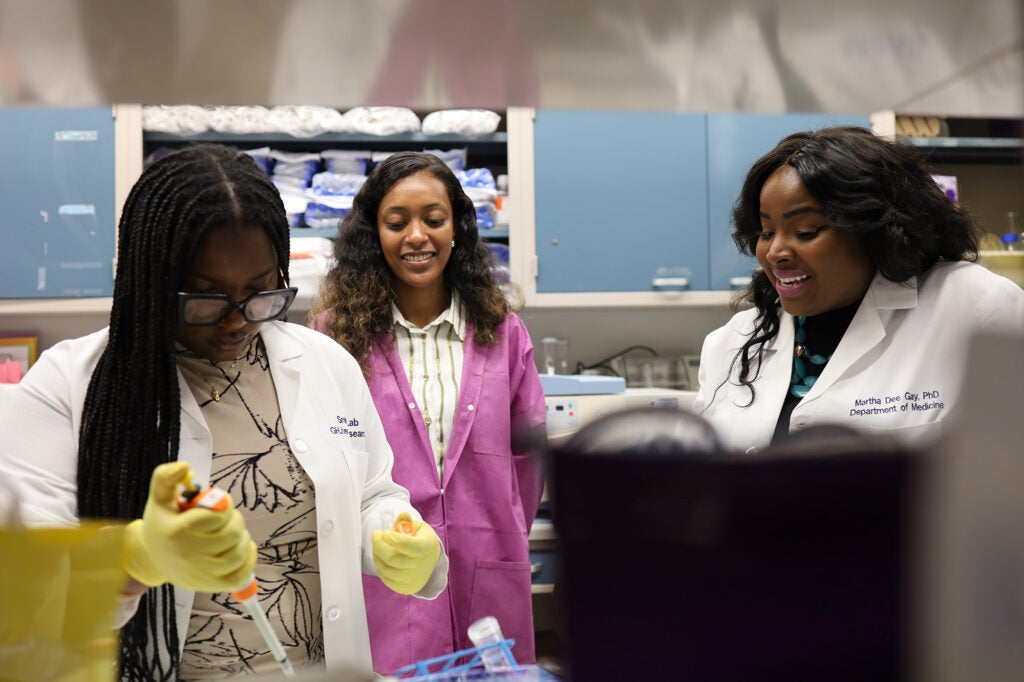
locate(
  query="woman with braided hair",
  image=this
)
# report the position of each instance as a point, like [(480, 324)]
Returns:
[(197, 372), (865, 301)]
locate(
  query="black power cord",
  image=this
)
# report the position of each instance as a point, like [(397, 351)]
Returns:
[(603, 364)]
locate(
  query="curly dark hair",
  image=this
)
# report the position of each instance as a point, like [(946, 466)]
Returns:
[(879, 190), (131, 416), (359, 289)]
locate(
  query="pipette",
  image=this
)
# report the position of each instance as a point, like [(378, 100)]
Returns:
[(247, 595)]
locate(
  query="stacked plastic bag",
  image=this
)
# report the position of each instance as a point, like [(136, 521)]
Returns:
[(330, 197), (318, 188), (461, 122), (479, 185), (310, 121), (180, 120)]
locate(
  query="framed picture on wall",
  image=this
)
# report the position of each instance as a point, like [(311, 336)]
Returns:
[(17, 354)]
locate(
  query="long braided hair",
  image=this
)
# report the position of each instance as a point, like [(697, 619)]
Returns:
[(360, 286), (131, 417), (878, 190)]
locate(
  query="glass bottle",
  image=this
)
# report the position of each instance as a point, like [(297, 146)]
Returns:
[(1012, 238)]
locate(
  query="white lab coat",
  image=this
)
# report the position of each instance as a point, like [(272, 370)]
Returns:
[(317, 383), (896, 371)]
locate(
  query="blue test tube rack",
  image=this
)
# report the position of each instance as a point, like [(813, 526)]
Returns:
[(442, 667)]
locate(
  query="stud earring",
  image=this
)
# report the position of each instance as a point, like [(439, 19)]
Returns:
[(453, 243)]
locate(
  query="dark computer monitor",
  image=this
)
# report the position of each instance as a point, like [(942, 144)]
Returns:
[(682, 562)]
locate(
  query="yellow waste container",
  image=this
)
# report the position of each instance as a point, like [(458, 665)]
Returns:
[(59, 591)]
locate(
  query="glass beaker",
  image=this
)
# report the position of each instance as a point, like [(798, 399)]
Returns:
[(556, 355), (562, 357), (549, 348)]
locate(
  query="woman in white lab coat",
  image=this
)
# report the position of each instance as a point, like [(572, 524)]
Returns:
[(865, 301), (195, 367)]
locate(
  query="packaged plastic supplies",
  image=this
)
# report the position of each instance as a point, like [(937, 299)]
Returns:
[(344, 184), (381, 120), (486, 214), (327, 211), (311, 258), (295, 165), (262, 158), (455, 158), (477, 177), (461, 122), (241, 120), (295, 203), (500, 253), (185, 119), (481, 194), (287, 183), (346, 160), (504, 217), (306, 121), (295, 157)]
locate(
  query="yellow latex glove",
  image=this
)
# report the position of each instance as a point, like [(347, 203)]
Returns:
[(197, 549), (405, 559)]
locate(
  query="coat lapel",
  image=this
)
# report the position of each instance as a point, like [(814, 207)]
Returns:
[(776, 371), (285, 355), (866, 330), (397, 369), (195, 435)]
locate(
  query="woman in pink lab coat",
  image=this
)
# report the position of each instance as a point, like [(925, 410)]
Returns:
[(451, 372)]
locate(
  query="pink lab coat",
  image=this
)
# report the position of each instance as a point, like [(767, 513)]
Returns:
[(482, 510)]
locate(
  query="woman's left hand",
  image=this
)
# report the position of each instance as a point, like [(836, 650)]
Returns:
[(406, 558)]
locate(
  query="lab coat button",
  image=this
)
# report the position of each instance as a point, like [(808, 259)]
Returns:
[(470, 408), (333, 613), (328, 527), (299, 445)]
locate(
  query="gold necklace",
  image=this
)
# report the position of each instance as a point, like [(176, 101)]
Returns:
[(214, 393)]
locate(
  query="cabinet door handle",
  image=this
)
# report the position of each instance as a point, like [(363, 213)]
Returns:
[(738, 282), (659, 282)]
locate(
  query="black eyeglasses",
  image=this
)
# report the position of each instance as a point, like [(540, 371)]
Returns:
[(205, 310)]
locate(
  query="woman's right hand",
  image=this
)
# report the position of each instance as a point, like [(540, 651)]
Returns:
[(197, 549)]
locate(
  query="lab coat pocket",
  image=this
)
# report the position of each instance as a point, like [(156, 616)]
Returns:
[(485, 486), (918, 435), (491, 430), (502, 589), (341, 477)]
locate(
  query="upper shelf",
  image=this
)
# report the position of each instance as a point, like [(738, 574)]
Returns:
[(493, 143), (26, 307), (969, 149)]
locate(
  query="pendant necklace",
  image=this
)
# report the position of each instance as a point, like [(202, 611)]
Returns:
[(801, 381), (214, 393)]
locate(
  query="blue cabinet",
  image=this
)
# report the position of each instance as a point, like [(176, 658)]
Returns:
[(642, 201), (57, 186), (735, 142), (620, 201)]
